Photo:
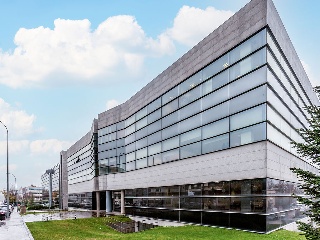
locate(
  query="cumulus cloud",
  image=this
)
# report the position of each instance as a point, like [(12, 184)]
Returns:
[(313, 79), (192, 24), (72, 51), (111, 104), (18, 121), (47, 146), (53, 146), (15, 147), (117, 48)]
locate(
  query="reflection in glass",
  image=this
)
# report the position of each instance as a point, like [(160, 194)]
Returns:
[(248, 135)]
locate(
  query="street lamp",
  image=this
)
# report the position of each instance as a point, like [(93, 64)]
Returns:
[(7, 171)]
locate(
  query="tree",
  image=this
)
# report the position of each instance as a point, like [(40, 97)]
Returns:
[(310, 182)]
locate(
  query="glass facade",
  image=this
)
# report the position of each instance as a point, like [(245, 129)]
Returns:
[(82, 167), (267, 202), (82, 164), (210, 111), (80, 200), (249, 94), (45, 182)]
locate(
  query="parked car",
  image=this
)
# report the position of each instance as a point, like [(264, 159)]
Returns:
[(3, 212)]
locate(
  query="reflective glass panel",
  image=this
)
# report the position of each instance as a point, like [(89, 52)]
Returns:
[(215, 128), (248, 117), (248, 135), (190, 150), (190, 137), (215, 143)]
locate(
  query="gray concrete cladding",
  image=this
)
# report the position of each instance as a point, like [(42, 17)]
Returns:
[(250, 19)]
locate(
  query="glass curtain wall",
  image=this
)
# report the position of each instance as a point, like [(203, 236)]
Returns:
[(198, 116), (221, 106), (81, 165), (267, 203)]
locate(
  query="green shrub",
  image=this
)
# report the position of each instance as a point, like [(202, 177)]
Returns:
[(37, 207)]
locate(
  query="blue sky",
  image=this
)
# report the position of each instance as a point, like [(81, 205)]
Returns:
[(63, 62)]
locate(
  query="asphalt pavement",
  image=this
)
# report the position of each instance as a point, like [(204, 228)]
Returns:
[(14, 228)]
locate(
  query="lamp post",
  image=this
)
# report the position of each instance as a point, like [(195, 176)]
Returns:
[(7, 170)]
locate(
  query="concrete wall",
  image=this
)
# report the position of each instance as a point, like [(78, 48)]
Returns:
[(280, 161), (64, 180), (245, 162), (87, 186)]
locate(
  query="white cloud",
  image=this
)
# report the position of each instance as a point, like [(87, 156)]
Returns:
[(3, 168), (313, 79), (14, 147), (192, 24), (26, 147), (18, 122), (117, 48), (73, 51), (51, 146), (111, 104)]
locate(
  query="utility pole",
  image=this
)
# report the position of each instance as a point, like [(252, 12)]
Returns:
[(50, 172)]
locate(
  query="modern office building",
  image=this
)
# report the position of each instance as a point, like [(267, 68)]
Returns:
[(79, 167), (33, 193), (45, 183), (208, 140)]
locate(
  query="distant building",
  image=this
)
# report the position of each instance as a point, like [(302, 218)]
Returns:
[(208, 140), (45, 180), (34, 193)]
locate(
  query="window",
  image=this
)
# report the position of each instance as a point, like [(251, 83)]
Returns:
[(190, 83), (169, 96), (190, 110), (215, 113), (170, 143), (248, 135), (190, 96), (154, 105), (215, 98), (248, 64), (190, 137), (215, 67), (215, 128), (248, 46), (170, 155), (170, 131), (170, 107), (215, 82), (249, 99), (215, 143), (154, 116), (190, 150), (154, 149), (248, 117)]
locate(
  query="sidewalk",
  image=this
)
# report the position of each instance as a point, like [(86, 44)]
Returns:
[(14, 228)]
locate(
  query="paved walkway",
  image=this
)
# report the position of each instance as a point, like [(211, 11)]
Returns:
[(14, 228)]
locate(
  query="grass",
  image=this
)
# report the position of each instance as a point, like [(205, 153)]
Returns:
[(95, 228)]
